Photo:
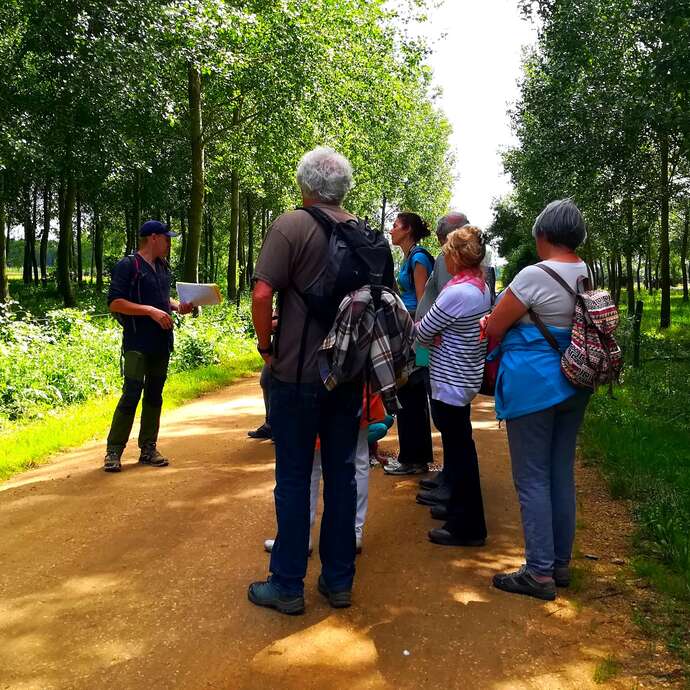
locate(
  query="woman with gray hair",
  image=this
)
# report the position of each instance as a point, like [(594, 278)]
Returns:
[(543, 411)]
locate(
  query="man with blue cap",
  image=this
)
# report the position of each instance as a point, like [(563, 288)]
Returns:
[(139, 297)]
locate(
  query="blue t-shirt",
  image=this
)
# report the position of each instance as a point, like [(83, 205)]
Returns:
[(406, 276)]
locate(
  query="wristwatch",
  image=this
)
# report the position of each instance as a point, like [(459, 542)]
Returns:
[(265, 350)]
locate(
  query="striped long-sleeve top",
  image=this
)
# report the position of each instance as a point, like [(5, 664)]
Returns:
[(456, 365)]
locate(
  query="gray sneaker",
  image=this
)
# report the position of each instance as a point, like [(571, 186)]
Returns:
[(111, 462), (150, 456), (522, 582)]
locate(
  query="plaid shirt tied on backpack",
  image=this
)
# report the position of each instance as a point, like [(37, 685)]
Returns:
[(372, 336)]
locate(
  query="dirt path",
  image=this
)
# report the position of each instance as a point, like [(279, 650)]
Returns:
[(139, 580)]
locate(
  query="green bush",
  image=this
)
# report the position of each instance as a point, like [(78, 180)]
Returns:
[(70, 356)]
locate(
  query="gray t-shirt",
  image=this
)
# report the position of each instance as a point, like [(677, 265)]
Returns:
[(538, 291)]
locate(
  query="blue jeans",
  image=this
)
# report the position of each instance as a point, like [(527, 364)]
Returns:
[(542, 453), (298, 413)]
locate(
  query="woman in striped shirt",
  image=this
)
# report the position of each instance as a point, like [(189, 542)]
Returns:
[(456, 365)]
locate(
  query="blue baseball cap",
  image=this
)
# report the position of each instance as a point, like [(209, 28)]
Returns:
[(155, 227)]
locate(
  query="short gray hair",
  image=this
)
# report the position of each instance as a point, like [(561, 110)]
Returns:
[(324, 175), (561, 222), (451, 221)]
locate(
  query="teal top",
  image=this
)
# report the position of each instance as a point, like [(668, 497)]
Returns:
[(529, 375)]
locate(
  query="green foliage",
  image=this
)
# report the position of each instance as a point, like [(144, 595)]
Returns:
[(641, 438), (606, 670), (70, 356), (602, 118)]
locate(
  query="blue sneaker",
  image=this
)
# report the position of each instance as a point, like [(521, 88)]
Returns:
[(267, 594)]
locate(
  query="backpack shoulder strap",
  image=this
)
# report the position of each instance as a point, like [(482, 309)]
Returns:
[(423, 250), (536, 320), (321, 217), (557, 278)]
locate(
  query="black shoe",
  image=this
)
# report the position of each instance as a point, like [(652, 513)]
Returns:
[(111, 462), (267, 594), (263, 433), (561, 576), (522, 582), (406, 469), (445, 538), (338, 600), (431, 484), (151, 457), (432, 498), (439, 512)]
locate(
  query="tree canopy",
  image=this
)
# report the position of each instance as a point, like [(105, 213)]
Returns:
[(604, 118), (196, 112)]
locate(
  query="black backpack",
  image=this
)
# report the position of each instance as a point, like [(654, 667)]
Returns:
[(357, 256), (133, 287)]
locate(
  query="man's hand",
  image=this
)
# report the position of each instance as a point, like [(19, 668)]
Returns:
[(267, 358), (161, 317), (185, 307)]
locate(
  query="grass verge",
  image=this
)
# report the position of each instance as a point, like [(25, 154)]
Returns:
[(31, 444), (641, 440)]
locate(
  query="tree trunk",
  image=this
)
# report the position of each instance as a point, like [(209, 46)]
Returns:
[(242, 249), (34, 222), (80, 270), (128, 235), (66, 210), (684, 251), (4, 288), (98, 248), (383, 213), (639, 268), (183, 236), (45, 235), (619, 272), (234, 232), (26, 213), (250, 240), (630, 280), (664, 248), (191, 259), (211, 252)]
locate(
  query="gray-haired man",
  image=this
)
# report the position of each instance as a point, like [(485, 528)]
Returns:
[(439, 276), (294, 252)]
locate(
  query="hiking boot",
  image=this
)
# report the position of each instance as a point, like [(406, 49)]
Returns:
[(263, 433), (406, 469), (268, 595), (338, 600), (150, 456), (431, 484), (270, 543), (439, 512), (111, 462), (561, 576), (445, 538), (441, 495), (523, 582)]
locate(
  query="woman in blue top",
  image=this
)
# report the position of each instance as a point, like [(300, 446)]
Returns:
[(543, 411), (414, 425), (407, 231)]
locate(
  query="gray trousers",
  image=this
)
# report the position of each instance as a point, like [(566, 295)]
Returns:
[(542, 453)]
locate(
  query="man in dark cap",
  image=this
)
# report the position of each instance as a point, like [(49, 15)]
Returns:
[(139, 297)]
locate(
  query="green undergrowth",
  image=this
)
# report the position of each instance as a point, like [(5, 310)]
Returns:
[(640, 438), (60, 368), (28, 445)]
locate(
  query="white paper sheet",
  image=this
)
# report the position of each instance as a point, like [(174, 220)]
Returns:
[(199, 294)]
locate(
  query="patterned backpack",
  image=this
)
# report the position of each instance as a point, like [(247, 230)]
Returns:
[(593, 357)]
